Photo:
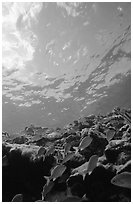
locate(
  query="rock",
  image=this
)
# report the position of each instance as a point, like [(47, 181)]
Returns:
[(123, 157), (5, 136), (58, 192), (77, 189), (74, 179), (121, 131), (76, 161), (24, 174), (102, 160), (111, 154), (118, 151), (20, 140), (97, 185), (97, 145), (29, 131), (40, 142), (54, 135), (73, 139), (84, 132), (126, 167), (72, 199)]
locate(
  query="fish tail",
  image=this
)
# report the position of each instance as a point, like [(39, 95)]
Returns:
[(77, 150), (47, 178), (44, 158)]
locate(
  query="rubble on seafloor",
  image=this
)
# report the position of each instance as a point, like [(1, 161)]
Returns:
[(88, 160)]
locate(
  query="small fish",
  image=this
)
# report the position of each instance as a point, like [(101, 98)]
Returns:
[(5, 161), (85, 142), (110, 134), (41, 151), (60, 153), (76, 149), (17, 198), (123, 180), (49, 151), (56, 159), (47, 188), (68, 157), (84, 131), (67, 148), (57, 171), (92, 163), (82, 170)]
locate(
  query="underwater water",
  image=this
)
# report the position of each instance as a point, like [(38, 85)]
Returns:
[(64, 60)]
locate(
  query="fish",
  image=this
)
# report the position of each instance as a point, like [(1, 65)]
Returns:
[(41, 151), (47, 188), (85, 142), (60, 154), (82, 170), (68, 157), (17, 198), (123, 180), (57, 171), (76, 149), (84, 131), (49, 151), (67, 148), (56, 159), (110, 134), (92, 163), (5, 161)]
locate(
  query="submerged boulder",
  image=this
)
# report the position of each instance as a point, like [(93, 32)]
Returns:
[(118, 151), (20, 140)]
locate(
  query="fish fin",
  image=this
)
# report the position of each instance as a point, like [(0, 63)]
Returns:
[(64, 154), (54, 179), (17, 198), (84, 175), (47, 178), (44, 158), (89, 172), (77, 149)]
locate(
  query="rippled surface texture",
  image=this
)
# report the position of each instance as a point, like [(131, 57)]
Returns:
[(64, 60)]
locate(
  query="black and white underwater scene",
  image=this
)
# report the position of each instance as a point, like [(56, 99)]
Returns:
[(66, 101)]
